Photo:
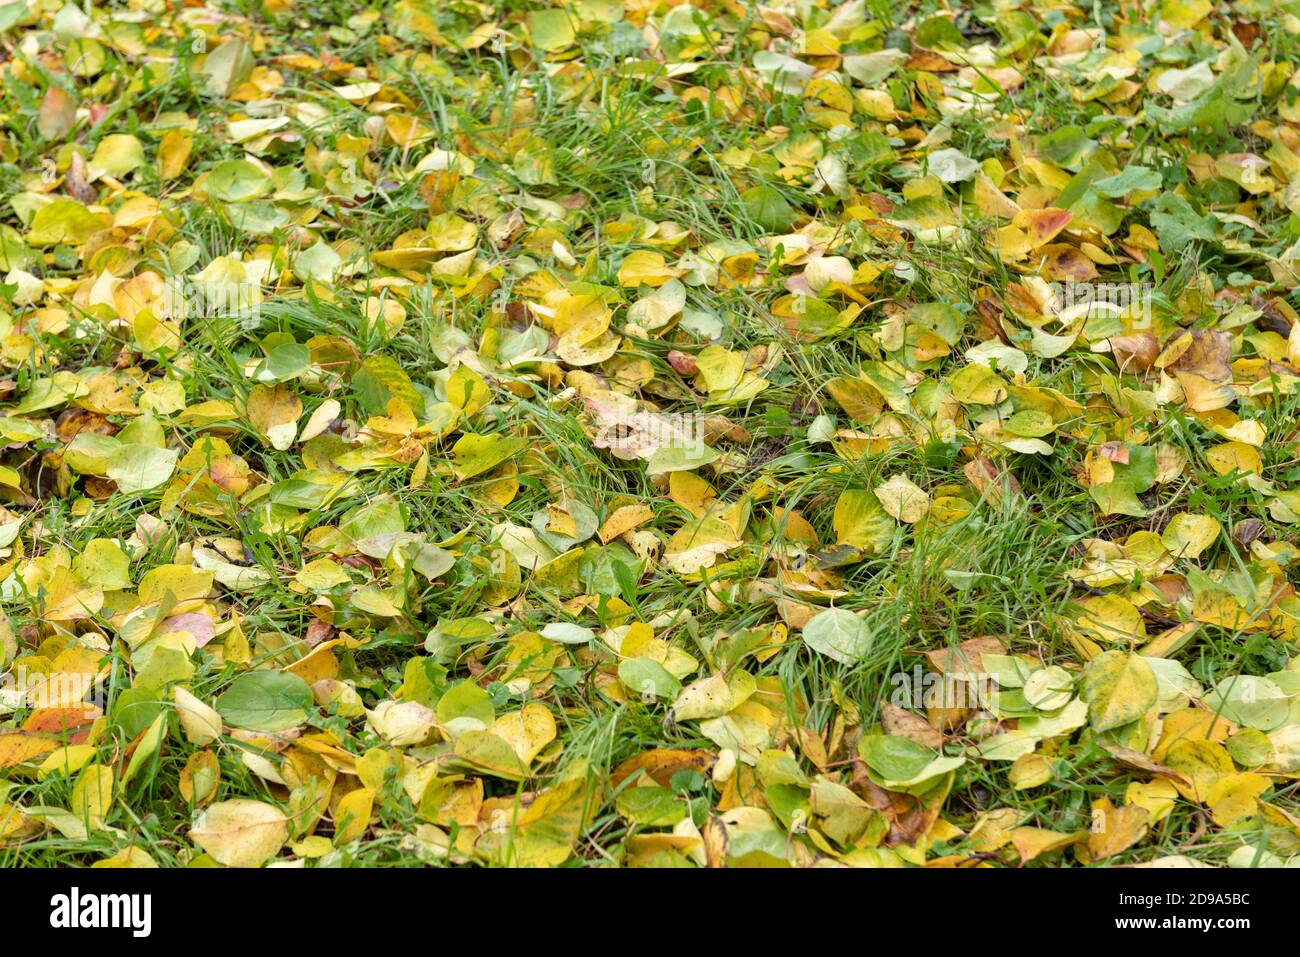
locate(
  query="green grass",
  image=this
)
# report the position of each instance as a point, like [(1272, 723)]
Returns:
[(599, 160)]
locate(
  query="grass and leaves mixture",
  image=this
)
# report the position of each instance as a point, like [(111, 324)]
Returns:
[(649, 433)]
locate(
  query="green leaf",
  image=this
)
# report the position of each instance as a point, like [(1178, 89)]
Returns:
[(1179, 225), (651, 806), (138, 468), (475, 454), (238, 181), (284, 362), (839, 634), (1251, 701), (465, 707), (900, 764), (939, 33), (768, 208), (1119, 687), (551, 30), (265, 701), (645, 676), (65, 221), (1128, 180), (380, 379)]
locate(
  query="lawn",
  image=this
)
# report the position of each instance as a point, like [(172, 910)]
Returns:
[(650, 434)]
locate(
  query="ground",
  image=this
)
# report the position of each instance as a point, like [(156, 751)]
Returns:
[(635, 433)]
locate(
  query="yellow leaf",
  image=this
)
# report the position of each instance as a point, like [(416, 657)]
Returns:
[(174, 153), (241, 832), (1115, 828), (628, 517), (92, 795), (1187, 535), (902, 499), (527, 731), (274, 411), (201, 724), (645, 268), (352, 816)]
